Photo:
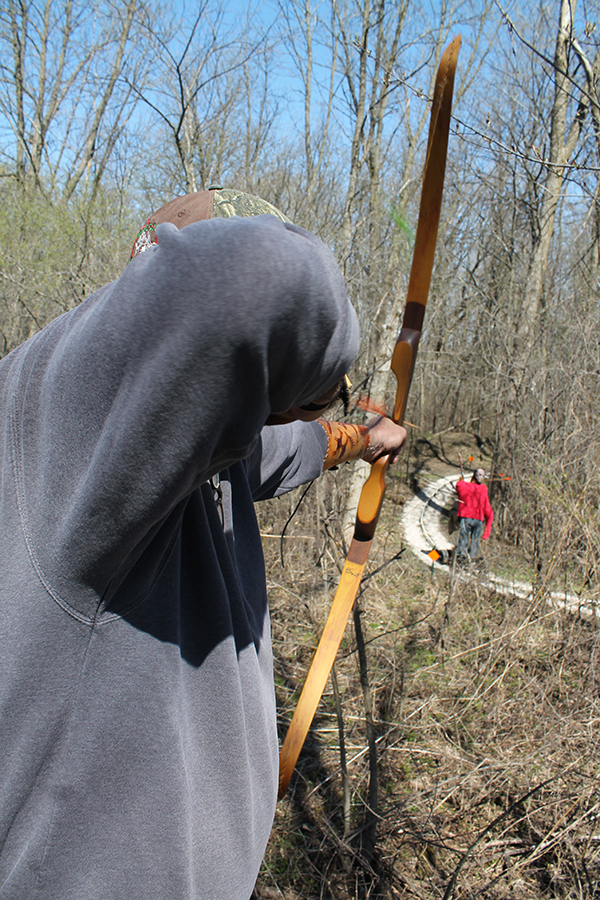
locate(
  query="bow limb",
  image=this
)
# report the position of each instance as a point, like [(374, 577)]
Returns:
[(403, 363)]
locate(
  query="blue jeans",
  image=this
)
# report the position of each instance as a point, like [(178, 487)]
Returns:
[(470, 530)]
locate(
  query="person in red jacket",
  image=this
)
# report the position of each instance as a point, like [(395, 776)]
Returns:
[(473, 508)]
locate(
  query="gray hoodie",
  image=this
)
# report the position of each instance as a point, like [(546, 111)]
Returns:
[(138, 749)]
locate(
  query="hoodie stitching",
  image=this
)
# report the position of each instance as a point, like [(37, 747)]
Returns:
[(16, 444)]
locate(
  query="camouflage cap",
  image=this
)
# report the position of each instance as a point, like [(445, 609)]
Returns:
[(221, 203)]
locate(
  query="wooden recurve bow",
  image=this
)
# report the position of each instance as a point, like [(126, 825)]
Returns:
[(403, 362)]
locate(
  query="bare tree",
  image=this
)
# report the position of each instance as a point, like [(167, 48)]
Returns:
[(575, 91), (310, 42), (63, 101), (202, 92), (505, 354)]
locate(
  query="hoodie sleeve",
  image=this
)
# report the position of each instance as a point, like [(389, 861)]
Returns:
[(165, 377), (285, 457)]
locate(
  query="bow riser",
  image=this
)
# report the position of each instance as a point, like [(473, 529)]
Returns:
[(373, 492), (403, 365)]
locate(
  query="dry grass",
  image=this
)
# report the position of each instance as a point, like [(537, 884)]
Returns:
[(487, 717)]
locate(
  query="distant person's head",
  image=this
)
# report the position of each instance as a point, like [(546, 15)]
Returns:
[(479, 475)]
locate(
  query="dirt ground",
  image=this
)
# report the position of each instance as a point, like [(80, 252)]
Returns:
[(461, 759)]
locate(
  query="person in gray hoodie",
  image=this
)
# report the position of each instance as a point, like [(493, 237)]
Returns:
[(138, 744)]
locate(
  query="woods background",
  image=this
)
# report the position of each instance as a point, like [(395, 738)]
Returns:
[(108, 109)]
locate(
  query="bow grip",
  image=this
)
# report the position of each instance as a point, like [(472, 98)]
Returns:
[(371, 498), (403, 364), (372, 494)]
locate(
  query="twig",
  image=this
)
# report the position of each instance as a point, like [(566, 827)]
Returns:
[(296, 508), (452, 883), (371, 816), (342, 740)]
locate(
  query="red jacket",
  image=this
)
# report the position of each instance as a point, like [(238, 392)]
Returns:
[(474, 503)]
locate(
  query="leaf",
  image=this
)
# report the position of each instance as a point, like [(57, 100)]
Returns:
[(402, 225)]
